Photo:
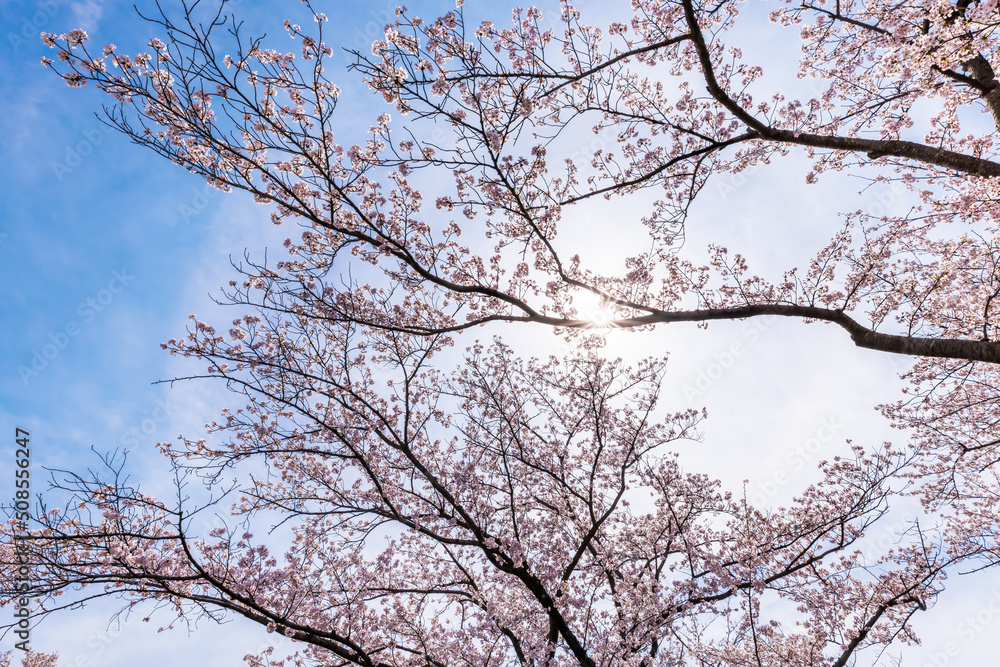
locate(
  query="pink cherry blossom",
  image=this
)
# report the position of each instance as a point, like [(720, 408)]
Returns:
[(533, 511)]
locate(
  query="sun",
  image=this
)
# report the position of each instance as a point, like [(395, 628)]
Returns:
[(594, 310)]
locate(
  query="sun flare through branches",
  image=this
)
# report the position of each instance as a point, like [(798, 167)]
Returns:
[(371, 408), (597, 311)]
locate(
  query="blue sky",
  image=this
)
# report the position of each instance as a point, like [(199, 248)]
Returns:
[(106, 248), (104, 244)]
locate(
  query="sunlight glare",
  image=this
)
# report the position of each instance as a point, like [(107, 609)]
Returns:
[(594, 310)]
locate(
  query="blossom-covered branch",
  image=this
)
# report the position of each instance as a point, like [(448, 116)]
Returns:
[(516, 511)]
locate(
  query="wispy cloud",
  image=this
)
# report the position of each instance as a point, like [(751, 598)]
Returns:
[(87, 13)]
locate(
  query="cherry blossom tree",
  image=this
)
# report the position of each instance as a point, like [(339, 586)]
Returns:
[(508, 512), (30, 659), (530, 511)]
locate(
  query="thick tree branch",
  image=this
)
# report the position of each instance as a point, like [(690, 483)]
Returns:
[(982, 71), (949, 348), (874, 148)]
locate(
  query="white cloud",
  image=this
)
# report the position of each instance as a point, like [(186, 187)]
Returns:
[(87, 13)]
